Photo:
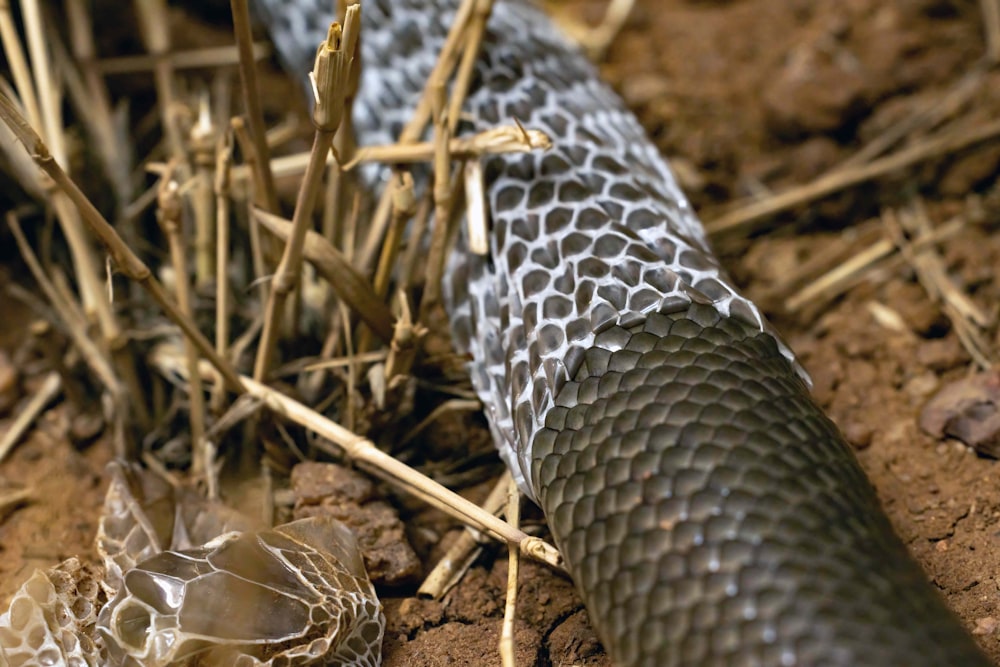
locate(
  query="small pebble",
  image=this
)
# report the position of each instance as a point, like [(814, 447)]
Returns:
[(985, 626), (967, 410)]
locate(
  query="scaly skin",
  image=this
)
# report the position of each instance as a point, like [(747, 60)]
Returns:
[(708, 511)]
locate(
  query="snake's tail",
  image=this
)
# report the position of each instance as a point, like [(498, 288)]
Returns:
[(711, 514)]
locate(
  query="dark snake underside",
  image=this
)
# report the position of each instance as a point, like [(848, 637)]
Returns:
[(709, 512)]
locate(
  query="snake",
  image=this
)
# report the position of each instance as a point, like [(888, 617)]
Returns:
[(708, 511)]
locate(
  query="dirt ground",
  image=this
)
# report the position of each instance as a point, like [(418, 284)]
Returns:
[(747, 97)]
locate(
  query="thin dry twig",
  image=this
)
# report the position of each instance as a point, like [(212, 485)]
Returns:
[(755, 212), (331, 75), (370, 458), (924, 118), (267, 192), (513, 568), (169, 213), (443, 188), (123, 256), (154, 30), (968, 319), (224, 157), (494, 141), (466, 32), (203, 58), (991, 24), (331, 264), (849, 272), (460, 556), (596, 40), (11, 499), (27, 415), (90, 93), (204, 141)]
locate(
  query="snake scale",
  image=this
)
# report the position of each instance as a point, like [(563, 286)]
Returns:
[(710, 514)]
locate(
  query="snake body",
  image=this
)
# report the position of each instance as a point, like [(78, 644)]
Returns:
[(709, 513)]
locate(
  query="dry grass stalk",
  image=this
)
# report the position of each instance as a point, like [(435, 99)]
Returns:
[(443, 188), (596, 40), (267, 193), (246, 146), (124, 258), (494, 141), (922, 119), (991, 23), (19, 164), (44, 82), (476, 218), (224, 157), (467, 65), (513, 568), (366, 455), (405, 344), (203, 142), (853, 269), (154, 30), (203, 58), (49, 123), (445, 115), (969, 320), (75, 324), (91, 93), (339, 184), (413, 254), (352, 369), (465, 33), (343, 362), (18, 63), (404, 206), (745, 217), (454, 564), (346, 281), (331, 75), (11, 499), (96, 301), (26, 416), (457, 560), (169, 214)]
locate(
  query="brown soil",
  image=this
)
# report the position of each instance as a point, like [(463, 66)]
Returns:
[(744, 95)]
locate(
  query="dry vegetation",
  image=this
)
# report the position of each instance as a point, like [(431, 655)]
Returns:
[(187, 323)]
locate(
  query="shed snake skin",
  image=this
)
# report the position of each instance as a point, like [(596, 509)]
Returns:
[(709, 513)]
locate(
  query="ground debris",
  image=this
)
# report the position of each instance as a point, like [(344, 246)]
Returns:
[(327, 489), (969, 410)]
